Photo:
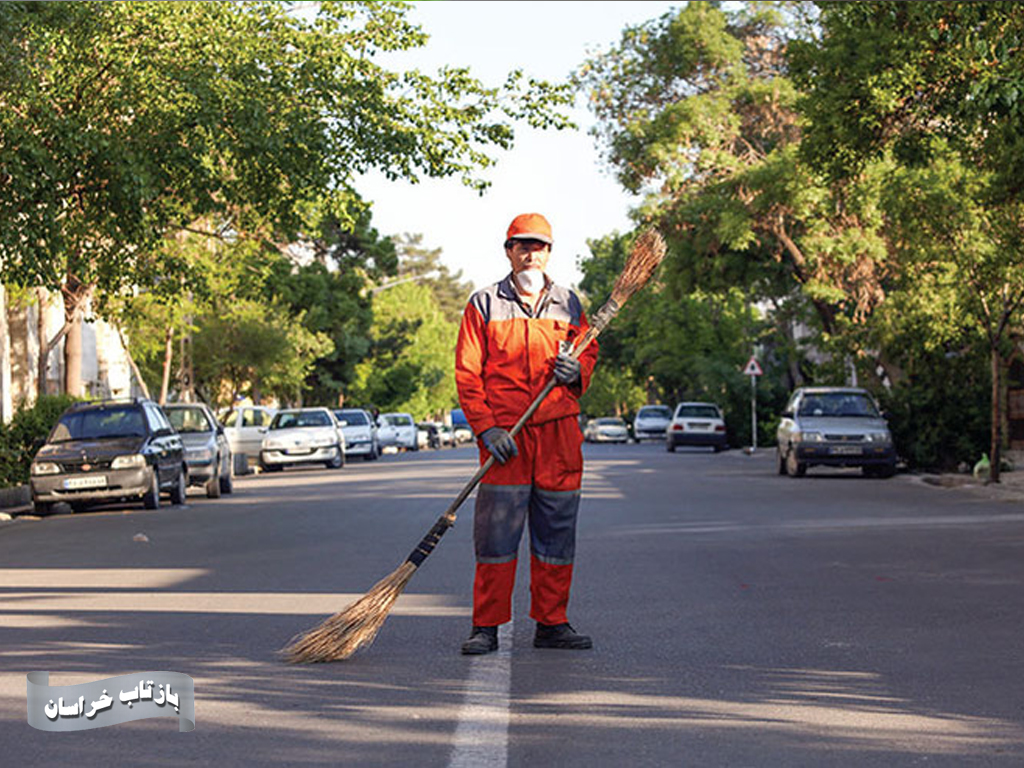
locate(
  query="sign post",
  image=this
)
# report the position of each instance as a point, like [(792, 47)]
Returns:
[(753, 370)]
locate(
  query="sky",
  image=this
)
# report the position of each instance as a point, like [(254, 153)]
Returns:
[(557, 173)]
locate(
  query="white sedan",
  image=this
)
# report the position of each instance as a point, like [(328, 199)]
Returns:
[(607, 429), (303, 436)]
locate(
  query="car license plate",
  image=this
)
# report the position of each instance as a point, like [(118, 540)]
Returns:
[(299, 451), (698, 424), (89, 481), (846, 450)]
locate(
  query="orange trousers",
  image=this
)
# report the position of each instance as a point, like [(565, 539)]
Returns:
[(540, 486)]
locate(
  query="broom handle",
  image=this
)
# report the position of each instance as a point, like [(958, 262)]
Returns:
[(447, 520)]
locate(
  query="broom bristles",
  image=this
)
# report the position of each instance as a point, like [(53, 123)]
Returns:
[(341, 635), (647, 253)]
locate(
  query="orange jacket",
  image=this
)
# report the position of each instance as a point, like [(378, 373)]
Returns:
[(505, 356)]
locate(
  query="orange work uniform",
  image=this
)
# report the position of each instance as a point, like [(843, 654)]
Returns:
[(504, 358)]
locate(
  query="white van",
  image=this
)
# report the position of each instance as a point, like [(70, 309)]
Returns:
[(397, 429)]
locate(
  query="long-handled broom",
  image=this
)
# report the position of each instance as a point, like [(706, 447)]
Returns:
[(341, 635)]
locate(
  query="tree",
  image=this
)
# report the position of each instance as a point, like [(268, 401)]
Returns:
[(424, 265), (411, 366), (697, 112), (122, 123), (935, 87)]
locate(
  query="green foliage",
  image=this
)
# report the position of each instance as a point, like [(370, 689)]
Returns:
[(126, 123), (425, 267), (410, 367), (612, 392), (939, 412), (25, 434), (256, 348)]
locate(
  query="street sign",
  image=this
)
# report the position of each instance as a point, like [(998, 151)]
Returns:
[(752, 369)]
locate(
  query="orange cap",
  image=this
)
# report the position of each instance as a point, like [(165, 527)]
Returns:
[(529, 226)]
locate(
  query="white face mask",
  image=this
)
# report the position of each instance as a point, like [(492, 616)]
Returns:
[(531, 281)]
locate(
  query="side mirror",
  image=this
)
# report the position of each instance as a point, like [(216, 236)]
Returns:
[(262, 430)]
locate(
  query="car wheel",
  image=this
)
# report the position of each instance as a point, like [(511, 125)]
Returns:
[(179, 489), (794, 468), (213, 484), (670, 446), (338, 461), (43, 508), (780, 460), (227, 485), (151, 499), (79, 506)]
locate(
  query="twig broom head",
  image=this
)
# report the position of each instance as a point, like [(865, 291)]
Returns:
[(341, 635), (647, 253)]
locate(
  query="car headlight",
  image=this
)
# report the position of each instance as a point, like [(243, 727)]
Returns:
[(45, 468), (271, 445), (808, 437), (200, 454), (131, 461), (322, 442), (878, 437)]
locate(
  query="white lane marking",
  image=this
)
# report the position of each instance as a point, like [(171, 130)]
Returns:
[(481, 736)]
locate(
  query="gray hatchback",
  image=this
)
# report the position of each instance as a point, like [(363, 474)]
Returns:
[(837, 427)]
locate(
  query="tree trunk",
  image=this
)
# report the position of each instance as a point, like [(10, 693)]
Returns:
[(132, 365), (42, 363), (75, 295), (996, 448), (73, 357), (168, 356)]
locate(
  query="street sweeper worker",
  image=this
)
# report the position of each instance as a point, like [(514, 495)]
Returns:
[(515, 335)]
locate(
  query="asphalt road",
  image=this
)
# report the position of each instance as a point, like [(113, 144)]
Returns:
[(740, 618)]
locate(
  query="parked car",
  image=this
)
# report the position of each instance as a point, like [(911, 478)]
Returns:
[(244, 428), (837, 427), (207, 452), (110, 450), (303, 436), (399, 430), (460, 427), (360, 432), (697, 424), (651, 421), (606, 429)]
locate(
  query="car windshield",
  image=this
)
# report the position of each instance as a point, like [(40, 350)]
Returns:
[(655, 411), (398, 421), (838, 404), (98, 424), (301, 419), (189, 419), (610, 422), (352, 418), (698, 411)]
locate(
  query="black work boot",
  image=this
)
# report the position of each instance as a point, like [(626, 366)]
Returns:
[(560, 636), (481, 640)]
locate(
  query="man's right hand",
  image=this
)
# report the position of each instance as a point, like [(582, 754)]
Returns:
[(500, 443)]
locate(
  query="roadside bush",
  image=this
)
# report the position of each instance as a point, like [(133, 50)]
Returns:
[(26, 432), (941, 418)]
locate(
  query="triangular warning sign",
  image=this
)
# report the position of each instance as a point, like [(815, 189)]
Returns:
[(752, 369)]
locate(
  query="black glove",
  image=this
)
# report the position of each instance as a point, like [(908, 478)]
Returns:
[(500, 443), (567, 369)]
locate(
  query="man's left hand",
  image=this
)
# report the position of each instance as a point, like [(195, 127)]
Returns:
[(567, 369)]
